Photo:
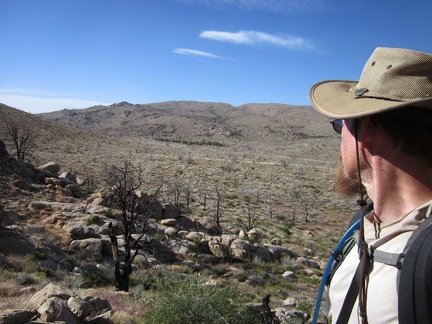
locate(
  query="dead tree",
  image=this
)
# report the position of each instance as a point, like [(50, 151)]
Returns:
[(125, 184), (218, 211), (22, 137), (252, 200), (251, 217)]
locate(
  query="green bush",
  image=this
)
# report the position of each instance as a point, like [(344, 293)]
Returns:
[(94, 279), (185, 299), (305, 306), (93, 219)]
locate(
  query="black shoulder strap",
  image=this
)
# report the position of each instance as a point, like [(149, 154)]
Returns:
[(352, 294), (415, 287)]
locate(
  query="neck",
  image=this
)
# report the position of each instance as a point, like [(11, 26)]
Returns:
[(397, 190)]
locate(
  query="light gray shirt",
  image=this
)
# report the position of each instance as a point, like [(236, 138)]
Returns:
[(382, 297)]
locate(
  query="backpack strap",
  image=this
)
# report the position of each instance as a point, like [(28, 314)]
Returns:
[(392, 259), (336, 257), (352, 293), (415, 287)]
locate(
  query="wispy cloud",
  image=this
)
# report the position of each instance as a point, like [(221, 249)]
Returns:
[(187, 51), (257, 38)]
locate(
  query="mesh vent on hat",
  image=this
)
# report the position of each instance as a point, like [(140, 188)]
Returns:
[(397, 74)]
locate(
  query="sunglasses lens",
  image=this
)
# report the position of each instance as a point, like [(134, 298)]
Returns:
[(337, 125)]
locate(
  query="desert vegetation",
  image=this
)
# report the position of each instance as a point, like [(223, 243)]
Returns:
[(261, 173)]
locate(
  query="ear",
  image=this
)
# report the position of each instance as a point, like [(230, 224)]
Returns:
[(367, 132)]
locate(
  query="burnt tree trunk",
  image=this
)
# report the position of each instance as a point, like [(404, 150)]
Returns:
[(121, 276)]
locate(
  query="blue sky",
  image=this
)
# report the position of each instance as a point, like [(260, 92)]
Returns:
[(58, 54)]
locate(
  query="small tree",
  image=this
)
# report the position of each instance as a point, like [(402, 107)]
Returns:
[(250, 217), (252, 201), (22, 137), (126, 182)]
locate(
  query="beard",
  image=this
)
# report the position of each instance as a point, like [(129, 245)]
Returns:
[(346, 186)]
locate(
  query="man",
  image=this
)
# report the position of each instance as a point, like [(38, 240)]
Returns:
[(385, 121)]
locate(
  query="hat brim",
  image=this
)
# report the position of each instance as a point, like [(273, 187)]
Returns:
[(333, 99)]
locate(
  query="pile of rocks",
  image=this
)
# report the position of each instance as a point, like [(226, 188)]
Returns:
[(56, 304)]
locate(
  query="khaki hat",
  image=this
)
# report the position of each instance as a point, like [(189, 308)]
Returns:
[(392, 78)]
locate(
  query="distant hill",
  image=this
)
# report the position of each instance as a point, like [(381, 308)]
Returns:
[(195, 121), (45, 129)]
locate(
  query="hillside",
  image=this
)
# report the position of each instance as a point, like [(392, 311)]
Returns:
[(195, 121)]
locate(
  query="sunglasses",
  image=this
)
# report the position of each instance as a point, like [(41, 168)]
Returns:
[(337, 125)]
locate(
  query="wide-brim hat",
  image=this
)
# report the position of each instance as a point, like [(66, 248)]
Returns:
[(392, 78)]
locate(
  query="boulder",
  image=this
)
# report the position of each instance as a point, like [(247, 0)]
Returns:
[(104, 318), (170, 232), (179, 247), (207, 258), (309, 263), (12, 242), (290, 302), (69, 175), (260, 253), (51, 167), (17, 316), (227, 239), (241, 249), (193, 237), (79, 230), (253, 234), (21, 183), (57, 304), (168, 222), (289, 275), (56, 309), (99, 305), (76, 190), (185, 223), (217, 248), (182, 234), (91, 248), (58, 182), (79, 307), (279, 251), (50, 290), (9, 218), (276, 241), (171, 211)]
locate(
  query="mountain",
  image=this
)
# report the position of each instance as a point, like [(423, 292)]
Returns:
[(44, 129), (196, 121)]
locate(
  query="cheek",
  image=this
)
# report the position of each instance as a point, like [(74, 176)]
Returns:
[(348, 161)]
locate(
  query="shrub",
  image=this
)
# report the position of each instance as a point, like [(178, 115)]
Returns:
[(93, 219), (305, 306), (94, 279), (8, 288), (185, 299)]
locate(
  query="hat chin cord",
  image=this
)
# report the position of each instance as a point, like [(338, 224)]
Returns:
[(364, 252)]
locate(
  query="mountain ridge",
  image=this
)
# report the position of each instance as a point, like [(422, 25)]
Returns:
[(195, 120)]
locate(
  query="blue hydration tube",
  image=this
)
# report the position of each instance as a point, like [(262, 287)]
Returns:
[(337, 250)]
